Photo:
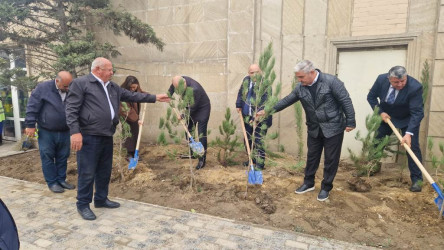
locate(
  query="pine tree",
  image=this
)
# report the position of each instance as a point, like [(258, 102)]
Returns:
[(59, 35), (227, 143), (264, 87), (123, 132), (373, 149)]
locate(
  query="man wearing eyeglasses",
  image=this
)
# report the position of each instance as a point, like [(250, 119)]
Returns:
[(46, 107), (400, 100), (92, 114)]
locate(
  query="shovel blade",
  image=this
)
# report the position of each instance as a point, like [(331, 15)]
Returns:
[(438, 202), (133, 161), (255, 177), (440, 198), (197, 148)]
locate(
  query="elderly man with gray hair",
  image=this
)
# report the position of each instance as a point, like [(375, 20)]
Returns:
[(329, 111), (399, 98)]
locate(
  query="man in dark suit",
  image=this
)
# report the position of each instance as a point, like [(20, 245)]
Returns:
[(400, 100), (46, 107), (92, 114), (329, 111), (199, 111), (244, 104)]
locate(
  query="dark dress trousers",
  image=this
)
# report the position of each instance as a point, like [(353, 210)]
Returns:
[(328, 110), (406, 113), (200, 111)]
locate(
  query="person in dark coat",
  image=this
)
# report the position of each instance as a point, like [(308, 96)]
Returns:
[(92, 107), (329, 111), (46, 108), (132, 115), (9, 238), (399, 98), (248, 110), (199, 112)]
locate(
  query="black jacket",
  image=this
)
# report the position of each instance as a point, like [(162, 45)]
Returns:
[(87, 107), (201, 109), (240, 102), (332, 110), (45, 106)]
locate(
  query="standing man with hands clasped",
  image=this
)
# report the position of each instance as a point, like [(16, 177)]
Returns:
[(92, 114), (400, 100), (329, 111), (46, 107)]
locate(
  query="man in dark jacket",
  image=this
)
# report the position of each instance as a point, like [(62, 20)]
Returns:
[(244, 105), (329, 111), (199, 112), (400, 100), (46, 107), (92, 114)]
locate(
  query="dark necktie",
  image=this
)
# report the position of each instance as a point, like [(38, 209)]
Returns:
[(391, 97)]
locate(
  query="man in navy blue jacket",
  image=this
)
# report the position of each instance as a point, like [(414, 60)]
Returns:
[(244, 105), (46, 107), (400, 100)]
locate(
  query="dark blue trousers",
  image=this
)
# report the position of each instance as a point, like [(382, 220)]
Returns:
[(258, 150), (415, 172), (54, 150), (94, 163)]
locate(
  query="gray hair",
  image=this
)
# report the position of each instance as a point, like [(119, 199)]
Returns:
[(98, 62), (305, 66), (398, 72)]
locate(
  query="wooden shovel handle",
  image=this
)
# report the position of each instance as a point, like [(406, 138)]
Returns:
[(140, 126), (407, 148), (245, 137), (183, 124)]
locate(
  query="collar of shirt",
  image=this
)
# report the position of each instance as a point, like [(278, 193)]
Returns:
[(315, 80), (100, 80), (62, 94)]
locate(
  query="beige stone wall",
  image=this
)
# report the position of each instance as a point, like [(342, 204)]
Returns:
[(214, 41)]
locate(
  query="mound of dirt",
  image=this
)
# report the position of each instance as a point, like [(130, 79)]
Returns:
[(387, 215)]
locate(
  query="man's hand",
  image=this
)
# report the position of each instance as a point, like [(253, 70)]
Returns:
[(407, 139), (348, 129), (140, 122), (260, 113), (239, 110), (76, 142), (162, 98), (30, 132), (385, 116)]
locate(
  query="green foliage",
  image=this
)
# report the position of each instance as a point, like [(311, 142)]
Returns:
[(123, 130), (425, 80), (299, 120), (16, 76), (226, 143), (437, 162), (263, 87), (59, 35), (373, 149)]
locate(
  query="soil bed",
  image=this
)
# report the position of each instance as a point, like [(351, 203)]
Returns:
[(387, 216)]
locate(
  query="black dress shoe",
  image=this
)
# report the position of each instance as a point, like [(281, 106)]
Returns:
[(200, 164), (56, 188), (323, 195), (304, 188), (107, 204), (86, 213), (416, 187), (66, 185)]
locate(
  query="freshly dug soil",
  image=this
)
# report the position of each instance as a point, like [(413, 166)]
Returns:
[(385, 215)]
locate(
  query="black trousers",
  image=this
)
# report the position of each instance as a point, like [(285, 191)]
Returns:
[(202, 131), (332, 152), (258, 152), (415, 172)]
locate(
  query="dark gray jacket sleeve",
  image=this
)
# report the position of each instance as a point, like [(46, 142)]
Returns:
[(287, 101), (343, 98), (128, 96), (74, 101)]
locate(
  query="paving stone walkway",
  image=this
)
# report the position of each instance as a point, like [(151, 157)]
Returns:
[(50, 221)]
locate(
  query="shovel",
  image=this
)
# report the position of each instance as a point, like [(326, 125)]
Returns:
[(254, 176), (133, 161), (27, 144), (196, 147), (440, 198)]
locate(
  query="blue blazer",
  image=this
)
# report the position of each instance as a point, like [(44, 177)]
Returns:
[(240, 100), (407, 111)]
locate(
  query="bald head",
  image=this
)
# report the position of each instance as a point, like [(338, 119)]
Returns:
[(175, 81), (63, 79), (254, 70)]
